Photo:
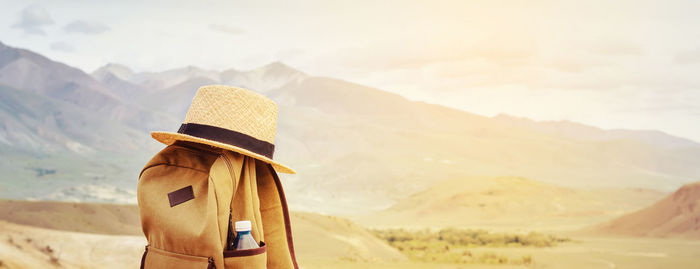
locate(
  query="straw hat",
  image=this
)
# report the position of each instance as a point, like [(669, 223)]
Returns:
[(230, 118)]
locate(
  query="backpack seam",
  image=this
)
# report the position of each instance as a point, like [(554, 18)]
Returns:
[(176, 148), (175, 165)]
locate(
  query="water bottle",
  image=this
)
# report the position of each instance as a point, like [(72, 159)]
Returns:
[(244, 240)]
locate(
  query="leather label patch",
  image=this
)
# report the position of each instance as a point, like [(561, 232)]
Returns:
[(180, 196)]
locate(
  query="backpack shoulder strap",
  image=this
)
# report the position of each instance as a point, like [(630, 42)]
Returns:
[(275, 218)]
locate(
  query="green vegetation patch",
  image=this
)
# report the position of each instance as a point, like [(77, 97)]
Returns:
[(452, 245)]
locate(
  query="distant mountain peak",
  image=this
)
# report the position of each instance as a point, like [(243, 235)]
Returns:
[(189, 69), (118, 70), (192, 71), (276, 64), (192, 68), (116, 65), (269, 76), (277, 68)]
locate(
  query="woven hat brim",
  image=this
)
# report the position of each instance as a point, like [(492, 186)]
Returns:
[(169, 138)]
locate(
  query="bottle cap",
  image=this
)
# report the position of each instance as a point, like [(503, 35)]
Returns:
[(243, 226)]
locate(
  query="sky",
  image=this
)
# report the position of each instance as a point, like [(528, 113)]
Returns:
[(611, 64)]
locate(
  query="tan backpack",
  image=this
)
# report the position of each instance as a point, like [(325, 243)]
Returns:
[(189, 195)]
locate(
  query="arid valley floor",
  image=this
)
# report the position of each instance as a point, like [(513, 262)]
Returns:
[(84, 235)]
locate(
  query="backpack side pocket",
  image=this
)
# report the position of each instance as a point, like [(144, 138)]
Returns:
[(248, 258), (155, 258)]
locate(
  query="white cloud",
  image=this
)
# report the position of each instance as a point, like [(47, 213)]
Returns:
[(86, 27), (32, 19)]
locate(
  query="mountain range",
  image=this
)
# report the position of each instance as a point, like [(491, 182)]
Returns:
[(69, 135)]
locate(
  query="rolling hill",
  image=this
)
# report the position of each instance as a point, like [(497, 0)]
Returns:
[(677, 215), (508, 203)]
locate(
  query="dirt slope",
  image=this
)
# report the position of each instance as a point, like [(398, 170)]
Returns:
[(31, 247), (328, 236), (677, 215), (99, 218)]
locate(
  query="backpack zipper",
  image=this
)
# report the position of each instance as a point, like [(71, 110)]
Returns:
[(211, 263), (230, 236), (143, 258), (232, 170)]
